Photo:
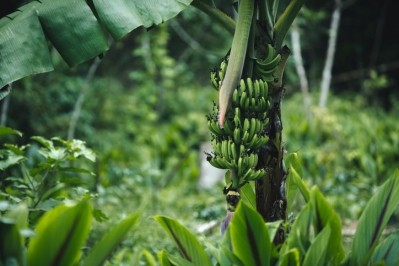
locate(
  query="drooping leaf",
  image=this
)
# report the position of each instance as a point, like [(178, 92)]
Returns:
[(73, 29), (60, 234), (387, 251), (122, 16), (23, 47), (317, 252), (323, 216), (11, 248), (249, 237), (4, 131), (103, 249), (188, 245), (373, 220)]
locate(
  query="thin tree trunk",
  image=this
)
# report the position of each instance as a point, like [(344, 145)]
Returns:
[(332, 42), (300, 69), (5, 106), (82, 95)]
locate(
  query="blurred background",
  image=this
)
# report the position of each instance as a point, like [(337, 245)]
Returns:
[(141, 107)]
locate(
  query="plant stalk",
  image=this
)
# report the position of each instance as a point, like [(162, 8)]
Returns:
[(270, 190)]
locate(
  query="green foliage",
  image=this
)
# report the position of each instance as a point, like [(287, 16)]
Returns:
[(189, 247), (74, 28), (313, 239), (375, 217), (43, 176), (61, 231), (347, 150), (53, 246)]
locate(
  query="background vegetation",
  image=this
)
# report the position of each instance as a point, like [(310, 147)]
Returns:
[(144, 116)]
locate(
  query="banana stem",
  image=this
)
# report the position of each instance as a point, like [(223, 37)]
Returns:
[(237, 57)]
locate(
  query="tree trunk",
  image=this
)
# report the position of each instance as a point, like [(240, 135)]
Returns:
[(82, 95), (6, 104), (300, 69), (270, 190), (332, 42)]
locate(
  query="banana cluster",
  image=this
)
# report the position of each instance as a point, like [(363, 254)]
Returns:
[(217, 75), (236, 145), (265, 67)]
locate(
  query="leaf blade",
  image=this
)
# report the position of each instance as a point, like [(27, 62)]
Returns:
[(53, 246), (249, 237), (373, 220), (188, 245), (109, 241)]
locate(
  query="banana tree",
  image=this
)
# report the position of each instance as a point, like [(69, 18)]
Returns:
[(246, 125)]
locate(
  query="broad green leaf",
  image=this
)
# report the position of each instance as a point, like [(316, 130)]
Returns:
[(9, 160), (60, 234), (73, 29), (318, 251), (290, 258), (249, 237), (300, 235), (23, 46), (4, 131), (387, 251), (187, 243), (103, 249), (294, 179), (11, 247), (122, 16), (373, 220), (248, 195), (228, 258), (323, 216)]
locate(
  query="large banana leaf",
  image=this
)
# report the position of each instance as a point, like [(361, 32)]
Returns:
[(78, 29)]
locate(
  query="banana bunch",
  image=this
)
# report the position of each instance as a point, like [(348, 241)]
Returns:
[(265, 67), (236, 145), (217, 75)]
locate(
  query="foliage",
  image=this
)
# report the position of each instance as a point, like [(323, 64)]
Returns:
[(314, 238), (348, 150), (62, 21), (37, 194)]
